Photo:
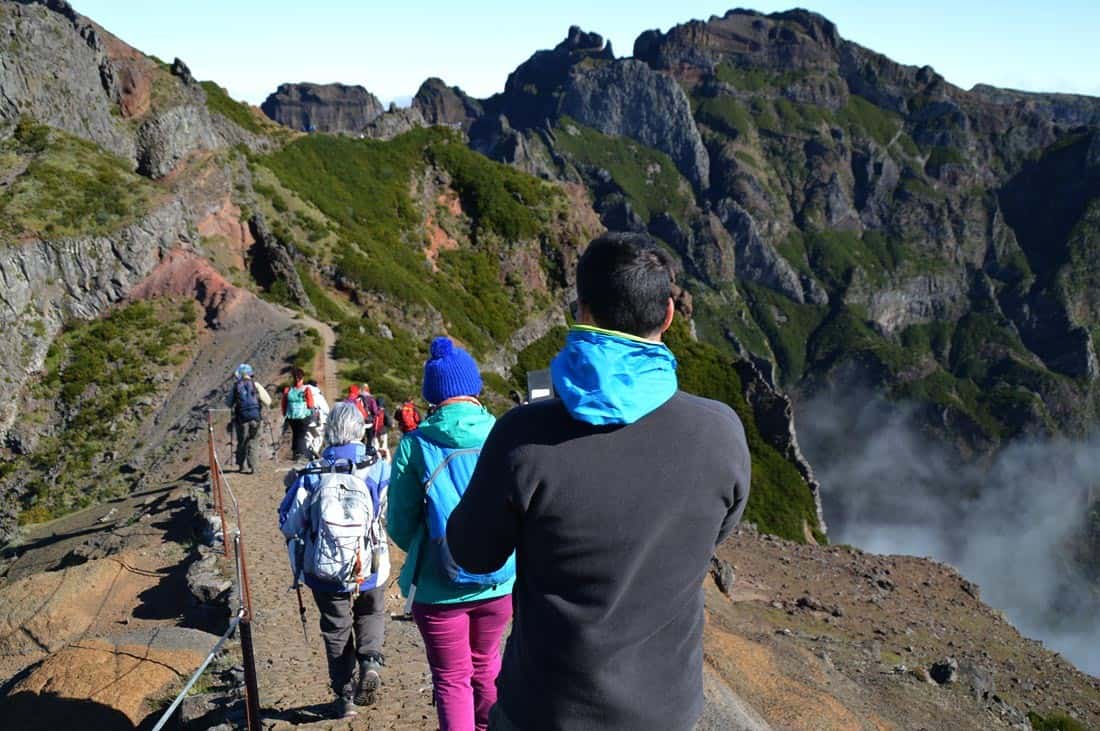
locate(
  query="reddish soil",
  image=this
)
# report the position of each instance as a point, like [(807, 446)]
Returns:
[(183, 274), (225, 222), (438, 239)]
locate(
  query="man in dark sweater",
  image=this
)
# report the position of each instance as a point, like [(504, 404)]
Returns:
[(614, 496)]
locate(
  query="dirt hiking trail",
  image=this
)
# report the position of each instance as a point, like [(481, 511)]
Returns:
[(292, 672)]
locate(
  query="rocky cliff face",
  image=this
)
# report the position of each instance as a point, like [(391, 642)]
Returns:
[(63, 70), (848, 217), (446, 105), (323, 107)]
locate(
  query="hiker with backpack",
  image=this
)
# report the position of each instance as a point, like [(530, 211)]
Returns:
[(297, 406), (318, 416), (461, 616), (407, 416), (373, 415), (247, 400), (332, 518), (616, 491), (382, 426)]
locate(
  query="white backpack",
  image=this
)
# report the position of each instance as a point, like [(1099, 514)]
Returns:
[(350, 544)]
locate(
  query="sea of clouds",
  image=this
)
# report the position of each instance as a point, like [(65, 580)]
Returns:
[(1011, 524)]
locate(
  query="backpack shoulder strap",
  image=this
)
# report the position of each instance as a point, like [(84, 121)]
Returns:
[(431, 450)]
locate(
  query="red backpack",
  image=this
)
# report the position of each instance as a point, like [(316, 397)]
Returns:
[(408, 417), (376, 419)]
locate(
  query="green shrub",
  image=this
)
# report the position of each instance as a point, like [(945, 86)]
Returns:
[(647, 177), (939, 156), (31, 136), (69, 187), (1054, 722), (725, 114), (780, 501), (363, 187), (498, 197), (745, 79), (537, 355), (96, 371), (861, 114), (834, 254), (327, 308), (399, 359), (239, 113), (788, 326)]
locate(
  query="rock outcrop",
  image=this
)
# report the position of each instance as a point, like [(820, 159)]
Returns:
[(47, 283), (63, 70), (323, 107), (440, 104), (54, 68)]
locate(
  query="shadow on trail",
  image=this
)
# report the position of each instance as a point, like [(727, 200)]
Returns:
[(48, 712), (303, 714)]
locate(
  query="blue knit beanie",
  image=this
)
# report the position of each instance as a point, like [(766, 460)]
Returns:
[(449, 372)]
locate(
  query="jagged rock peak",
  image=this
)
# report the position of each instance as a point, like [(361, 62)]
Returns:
[(62, 7), (578, 41), (180, 69), (446, 105), (792, 39), (323, 107)]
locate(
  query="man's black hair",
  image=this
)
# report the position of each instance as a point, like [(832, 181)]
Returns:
[(625, 281)]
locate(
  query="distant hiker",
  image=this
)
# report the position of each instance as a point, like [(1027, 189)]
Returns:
[(461, 616), (297, 405), (616, 493), (318, 416), (247, 399), (407, 416), (371, 412), (516, 398), (382, 427), (331, 517)]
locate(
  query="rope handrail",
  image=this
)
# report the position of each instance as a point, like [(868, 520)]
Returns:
[(242, 620), (167, 715)]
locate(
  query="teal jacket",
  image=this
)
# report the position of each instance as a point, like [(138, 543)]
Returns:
[(460, 425)]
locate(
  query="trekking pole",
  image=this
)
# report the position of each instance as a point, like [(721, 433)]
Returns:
[(296, 549), (301, 611)]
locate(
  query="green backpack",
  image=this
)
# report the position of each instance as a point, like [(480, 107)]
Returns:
[(296, 406)]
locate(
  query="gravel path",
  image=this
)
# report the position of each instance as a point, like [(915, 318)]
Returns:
[(292, 676)]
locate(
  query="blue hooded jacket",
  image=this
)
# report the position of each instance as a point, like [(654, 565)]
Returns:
[(608, 377)]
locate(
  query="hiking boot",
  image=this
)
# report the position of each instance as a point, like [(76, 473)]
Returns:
[(342, 707), (370, 680)]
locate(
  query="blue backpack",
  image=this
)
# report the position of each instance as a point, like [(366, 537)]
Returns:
[(447, 473), (246, 401)]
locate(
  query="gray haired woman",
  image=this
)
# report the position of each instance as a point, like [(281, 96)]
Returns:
[(353, 619)]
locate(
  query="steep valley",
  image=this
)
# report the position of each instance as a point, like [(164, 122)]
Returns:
[(900, 268)]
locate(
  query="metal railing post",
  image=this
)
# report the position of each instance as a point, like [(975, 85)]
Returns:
[(248, 652), (216, 481)]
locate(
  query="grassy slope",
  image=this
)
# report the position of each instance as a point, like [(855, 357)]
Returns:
[(96, 373), (59, 185)]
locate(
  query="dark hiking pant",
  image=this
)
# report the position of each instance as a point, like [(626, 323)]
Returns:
[(352, 631), (248, 438), (298, 437)]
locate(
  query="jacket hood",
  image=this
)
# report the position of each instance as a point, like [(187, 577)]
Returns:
[(607, 377), (460, 425)]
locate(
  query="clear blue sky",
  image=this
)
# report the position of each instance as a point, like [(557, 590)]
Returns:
[(250, 46)]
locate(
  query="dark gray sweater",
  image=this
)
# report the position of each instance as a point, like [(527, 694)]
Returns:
[(614, 527)]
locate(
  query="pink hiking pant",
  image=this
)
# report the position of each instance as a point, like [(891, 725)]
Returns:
[(463, 646)]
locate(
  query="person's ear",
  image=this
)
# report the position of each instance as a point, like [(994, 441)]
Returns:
[(584, 316), (670, 314)]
